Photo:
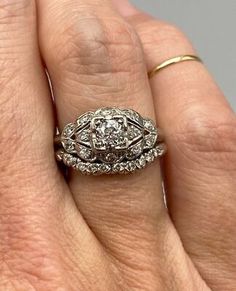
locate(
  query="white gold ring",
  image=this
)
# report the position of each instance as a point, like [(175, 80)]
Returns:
[(110, 141)]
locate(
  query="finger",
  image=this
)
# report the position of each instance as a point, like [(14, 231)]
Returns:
[(95, 59), (27, 202), (35, 205), (24, 96), (26, 120), (200, 129), (91, 69)]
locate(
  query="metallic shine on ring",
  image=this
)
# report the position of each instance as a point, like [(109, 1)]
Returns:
[(110, 141), (173, 61)]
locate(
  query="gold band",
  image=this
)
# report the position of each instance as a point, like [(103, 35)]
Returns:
[(173, 61)]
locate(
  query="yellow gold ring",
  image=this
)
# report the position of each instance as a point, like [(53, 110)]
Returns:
[(172, 61)]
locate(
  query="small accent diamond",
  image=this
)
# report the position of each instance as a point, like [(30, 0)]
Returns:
[(118, 168), (83, 136), (84, 119), (155, 152), (84, 153), (149, 125), (69, 160), (134, 116), (150, 141), (81, 166), (149, 157), (93, 168), (130, 166), (68, 130), (141, 162), (69, 145), (161, 149), (134, 132), (135, 151), (105, 168)]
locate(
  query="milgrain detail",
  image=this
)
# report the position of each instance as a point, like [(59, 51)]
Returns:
[(110, 141)]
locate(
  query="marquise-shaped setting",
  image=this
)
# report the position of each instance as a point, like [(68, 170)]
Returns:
[(150, 137), (68, 130), (135, 150), (135, 133), (83, 136), (133, 116), (85, 153), (69, 145), (84, 119)]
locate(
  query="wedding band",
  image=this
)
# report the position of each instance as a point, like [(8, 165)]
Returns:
[(109, 141), (172, 61)]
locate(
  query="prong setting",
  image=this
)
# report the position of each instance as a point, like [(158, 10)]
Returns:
[(110, 141)]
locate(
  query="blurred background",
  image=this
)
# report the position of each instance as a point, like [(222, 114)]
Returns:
[(211, 26)]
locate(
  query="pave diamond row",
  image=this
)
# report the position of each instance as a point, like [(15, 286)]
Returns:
[(126, 167)]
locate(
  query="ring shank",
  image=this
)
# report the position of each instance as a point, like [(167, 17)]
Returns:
[(172, 61)]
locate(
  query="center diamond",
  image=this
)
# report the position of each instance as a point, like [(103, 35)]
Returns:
[(109, 133), (109, 129)]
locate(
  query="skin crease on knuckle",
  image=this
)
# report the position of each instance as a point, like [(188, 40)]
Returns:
[(9, 9), (166, 37), (208, 140), (98, 53)]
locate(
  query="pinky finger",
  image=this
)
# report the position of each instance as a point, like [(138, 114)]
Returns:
[(201, 134)]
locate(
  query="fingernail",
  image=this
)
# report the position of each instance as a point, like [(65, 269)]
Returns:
[(124, 7)]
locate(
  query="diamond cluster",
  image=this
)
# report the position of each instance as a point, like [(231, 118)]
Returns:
[(109, 133), (110, 140)]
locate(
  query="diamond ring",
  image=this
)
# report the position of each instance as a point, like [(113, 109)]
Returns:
[(110, 141)]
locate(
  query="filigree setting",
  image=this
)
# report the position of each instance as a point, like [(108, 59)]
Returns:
[(110, 140)]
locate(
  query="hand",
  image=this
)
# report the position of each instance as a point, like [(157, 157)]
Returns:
[(111, 232)]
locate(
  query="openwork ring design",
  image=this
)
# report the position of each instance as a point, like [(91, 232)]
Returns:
[(110, 141)]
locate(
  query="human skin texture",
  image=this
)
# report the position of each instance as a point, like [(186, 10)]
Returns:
[(111, 233)]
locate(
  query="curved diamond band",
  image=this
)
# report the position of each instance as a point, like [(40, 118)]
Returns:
[(110, 141)]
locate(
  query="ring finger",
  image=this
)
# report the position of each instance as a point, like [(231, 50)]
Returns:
[(95, 60)]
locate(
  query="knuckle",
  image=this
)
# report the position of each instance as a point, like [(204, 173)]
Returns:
[(209, 138), (17, 19), (12, 136), (22, 141), (162, 34), (96, 46), (170, 33), (20, 144), (10, 10), (168, 40)]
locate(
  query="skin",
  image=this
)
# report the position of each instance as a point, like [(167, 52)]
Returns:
[(111, 233)]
